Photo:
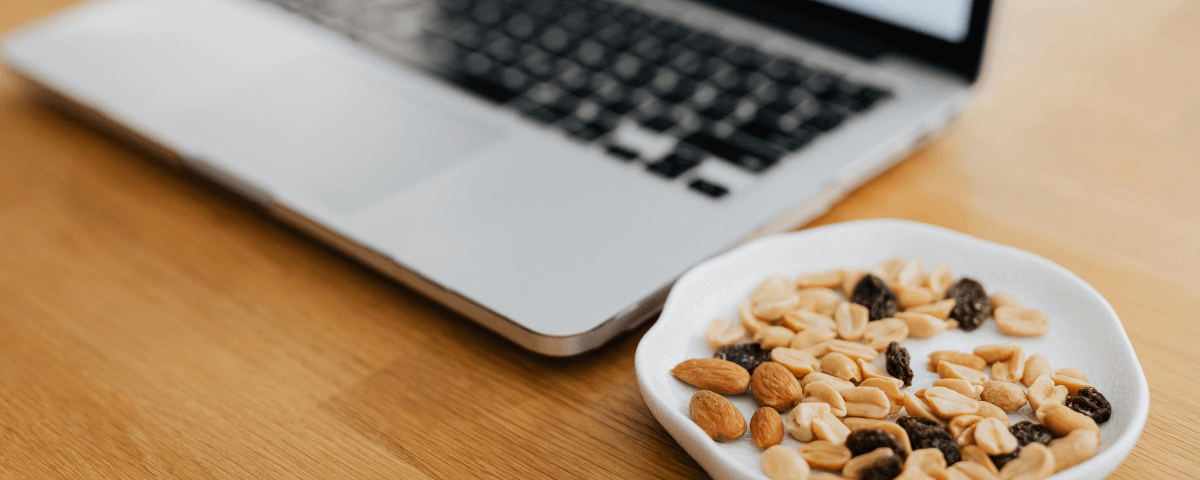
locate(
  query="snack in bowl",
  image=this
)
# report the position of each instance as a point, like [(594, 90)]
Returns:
[(702, 305)]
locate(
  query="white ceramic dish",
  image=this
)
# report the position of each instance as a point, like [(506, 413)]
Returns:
[(1084, 330)]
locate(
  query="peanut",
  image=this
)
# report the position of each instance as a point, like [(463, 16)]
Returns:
[(940, 309), (850, 280), (827, 427), (717, 416), (774, 386), (772, 336), (888, 270), (922, 325), (916, 407), (950, 370), (996, 352), (939, 280), (1008, 396), (801, 320), (958, 358), (800, 419), (766, 427), (796, 361), (820, 300), (924, 461), (967, 437), (824, 455), (722, 332), (855, 424), (1043, 391), (812, 336), (746, 315), (1034, 463), (993, 437), (1035, 366), (841, 366), (853, 349), (988, 409), (1021, 322), (972, 453), (880, 333), (1073, 449), (967, 389), (1071, 372), (973, 471), (783, 463), (826, 279), (853, 468), (773, 309), (1073, 384), (909, 297), (818, 350), (872, 372), (835, 382), (1003, 300), (851, 319), (823, 392), (960, 423), (947, 403), (866, 402), (1061, 420)]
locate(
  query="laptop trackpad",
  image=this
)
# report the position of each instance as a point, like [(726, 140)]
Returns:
[(343, 139)]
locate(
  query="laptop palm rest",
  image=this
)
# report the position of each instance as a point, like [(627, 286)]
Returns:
[(340, 139)]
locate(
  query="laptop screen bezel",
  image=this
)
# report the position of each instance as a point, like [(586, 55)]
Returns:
[(869, 37)]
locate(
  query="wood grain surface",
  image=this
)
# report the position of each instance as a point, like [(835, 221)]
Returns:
[(152, 327)]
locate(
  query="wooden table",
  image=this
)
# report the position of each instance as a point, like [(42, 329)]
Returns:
[(153, 327)]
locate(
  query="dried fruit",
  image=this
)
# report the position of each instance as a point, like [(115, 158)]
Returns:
[(825, 455), (971, 304), (863, 441), (897, 363), (1001, 460), (766, 427), (873, 293), (1092, 403), (717, 416), (925, 433), (885, 468), (783, 463), (714, 374), (774, 386), (1028, 432), (748, 355)]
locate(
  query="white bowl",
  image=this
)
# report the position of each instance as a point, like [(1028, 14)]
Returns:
[(1084, 330)]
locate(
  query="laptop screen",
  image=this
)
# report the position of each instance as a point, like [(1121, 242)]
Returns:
[(944, 19)]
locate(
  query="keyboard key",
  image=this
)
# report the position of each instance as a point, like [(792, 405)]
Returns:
[(825, 120), (621, 152), (659, 124), (706, 43), (538, 63), (545, 114), (677, 163), (555, 39), (708, 188), (745, 58), (743, 150), (521, 26), (491, 87)]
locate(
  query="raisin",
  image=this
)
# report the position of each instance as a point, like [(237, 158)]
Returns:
[(748, 355), (924, 433), (872, 293), (1001, 460), (885, 468), (897, 363), (1092, 403), (864, 441), (971, 304), (1028, 432)]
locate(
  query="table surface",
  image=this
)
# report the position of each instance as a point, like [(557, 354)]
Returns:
[(154, 327)]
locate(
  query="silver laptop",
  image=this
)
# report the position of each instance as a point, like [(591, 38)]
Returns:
[(546, 168)]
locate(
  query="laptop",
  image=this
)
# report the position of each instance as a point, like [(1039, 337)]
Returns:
[(546, 168)]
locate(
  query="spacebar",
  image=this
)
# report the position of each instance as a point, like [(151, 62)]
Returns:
[(743, 150)]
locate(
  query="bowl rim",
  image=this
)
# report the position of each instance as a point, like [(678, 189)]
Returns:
[(716, 460)]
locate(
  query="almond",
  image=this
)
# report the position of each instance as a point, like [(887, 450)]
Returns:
[(717, 416), (766, 427), (773, 385), (721, 376)]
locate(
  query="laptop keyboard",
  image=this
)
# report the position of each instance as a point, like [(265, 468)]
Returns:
[(645, 88)]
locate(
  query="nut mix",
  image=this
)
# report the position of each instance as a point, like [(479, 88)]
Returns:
[(805, 349)]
